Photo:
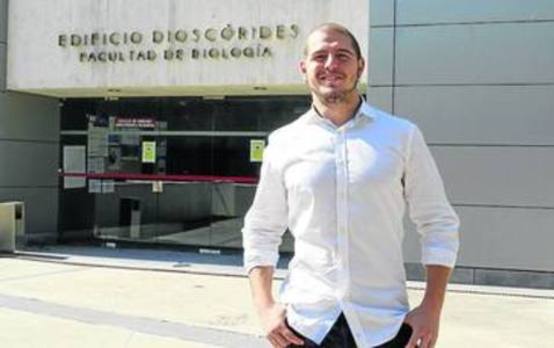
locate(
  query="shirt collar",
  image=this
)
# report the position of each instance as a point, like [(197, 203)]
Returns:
[(364, 112)]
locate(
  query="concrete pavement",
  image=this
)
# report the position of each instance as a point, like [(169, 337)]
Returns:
[(99, 297)]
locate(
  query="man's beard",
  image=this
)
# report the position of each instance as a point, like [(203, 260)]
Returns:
[(335, 97)]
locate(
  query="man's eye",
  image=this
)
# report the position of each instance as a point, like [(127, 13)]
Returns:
[(319, 58)]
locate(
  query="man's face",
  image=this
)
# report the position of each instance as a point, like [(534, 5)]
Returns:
[(331, 67)]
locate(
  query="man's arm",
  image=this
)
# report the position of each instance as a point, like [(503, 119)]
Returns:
[(425, 318), (271, 313), (438, 225), (264, 225)]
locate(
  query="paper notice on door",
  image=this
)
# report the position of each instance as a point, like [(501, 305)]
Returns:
[(98, 142), (108, 186), (95, 186), (74, 162), (148, 152), (256, 150)]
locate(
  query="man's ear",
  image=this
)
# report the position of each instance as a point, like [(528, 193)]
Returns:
[(302, 67), (361, 66)]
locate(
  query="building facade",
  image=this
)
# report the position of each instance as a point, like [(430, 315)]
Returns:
[(146, 120)]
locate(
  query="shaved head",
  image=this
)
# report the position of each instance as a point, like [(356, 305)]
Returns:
[(335, 27)]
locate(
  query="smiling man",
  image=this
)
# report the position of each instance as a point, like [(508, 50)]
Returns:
[(339, 178)]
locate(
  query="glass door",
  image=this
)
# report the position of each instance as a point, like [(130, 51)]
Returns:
[(169, 170)]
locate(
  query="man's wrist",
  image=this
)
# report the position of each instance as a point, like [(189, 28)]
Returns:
[(432, 303), (264, 304), (435, 292), (434, 298)]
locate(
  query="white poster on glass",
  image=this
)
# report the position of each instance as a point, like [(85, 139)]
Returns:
[(74, 162)]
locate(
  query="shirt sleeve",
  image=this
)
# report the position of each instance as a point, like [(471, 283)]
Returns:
[(266, 220), (429, 209)]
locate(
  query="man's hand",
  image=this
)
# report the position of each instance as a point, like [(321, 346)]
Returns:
[(277, 332), (424, 321), (271, 313)]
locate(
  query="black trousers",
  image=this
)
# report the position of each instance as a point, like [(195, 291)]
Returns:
[(340, 336)]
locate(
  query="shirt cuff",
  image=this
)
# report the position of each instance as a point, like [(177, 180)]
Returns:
[(262, 258), (436, 256)]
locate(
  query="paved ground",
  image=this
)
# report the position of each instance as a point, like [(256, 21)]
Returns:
[(98, 297)]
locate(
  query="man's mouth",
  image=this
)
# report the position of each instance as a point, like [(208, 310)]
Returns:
[(331, 79)]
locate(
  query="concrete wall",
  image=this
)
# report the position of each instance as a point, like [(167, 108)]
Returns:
[(29, 131), (478, 78)]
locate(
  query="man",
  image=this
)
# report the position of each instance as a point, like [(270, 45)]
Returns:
[(339, 177)]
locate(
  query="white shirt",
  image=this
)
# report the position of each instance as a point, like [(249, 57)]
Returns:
[(342, 192)]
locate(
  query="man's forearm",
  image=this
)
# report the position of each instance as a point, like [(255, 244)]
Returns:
[(435, 290), (261, 280)]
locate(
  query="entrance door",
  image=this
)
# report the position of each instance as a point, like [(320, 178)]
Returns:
[(170, 170)]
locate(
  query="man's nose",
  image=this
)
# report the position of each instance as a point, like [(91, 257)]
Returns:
[(330, 62)]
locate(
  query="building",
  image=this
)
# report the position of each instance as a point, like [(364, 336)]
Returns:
[(145, 120)]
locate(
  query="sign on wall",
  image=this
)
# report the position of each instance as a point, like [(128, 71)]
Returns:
[(116, 48), (192, 44)]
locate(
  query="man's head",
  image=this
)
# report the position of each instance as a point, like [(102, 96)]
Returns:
[(332, 63)]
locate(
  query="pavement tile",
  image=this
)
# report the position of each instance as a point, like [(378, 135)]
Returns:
[(26, 330), (474, 316)]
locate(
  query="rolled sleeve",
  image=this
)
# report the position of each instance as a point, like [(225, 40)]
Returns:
[(429, 209), (266, 220)]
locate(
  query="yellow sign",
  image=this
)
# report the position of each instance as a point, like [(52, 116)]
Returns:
[(148, 152), (256, 150)]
